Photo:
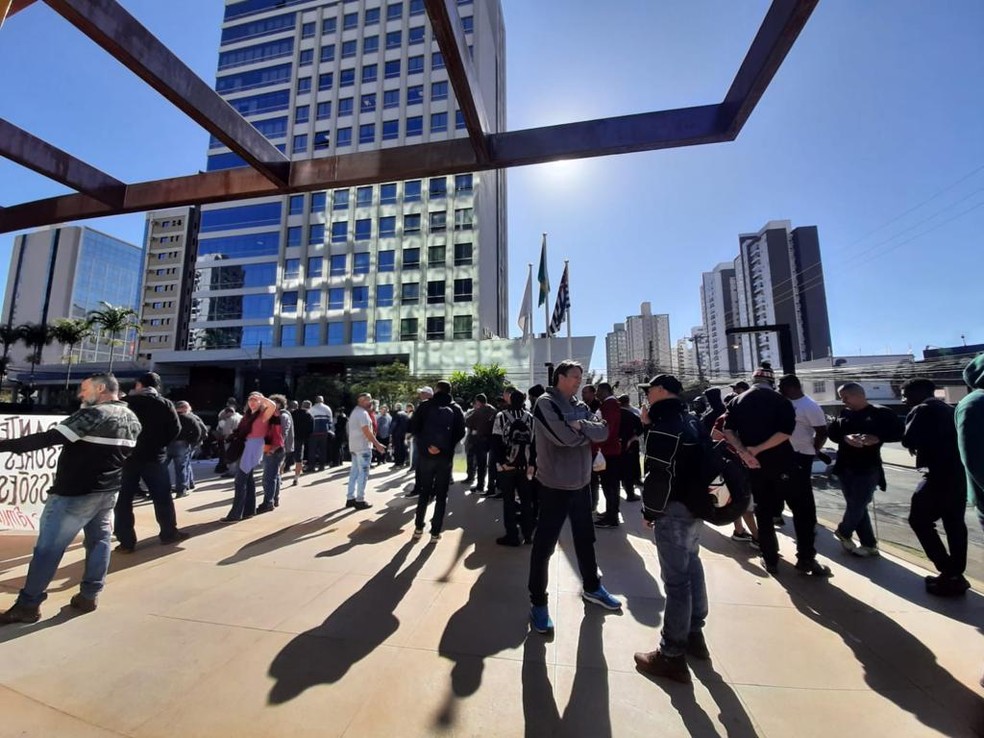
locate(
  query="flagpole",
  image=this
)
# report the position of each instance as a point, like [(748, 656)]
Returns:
[(570, 349), (546, 303), (529, 331)]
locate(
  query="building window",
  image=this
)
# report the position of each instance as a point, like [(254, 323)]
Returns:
[(339, 232), (328, 53), (387, 194), (394, 11), (345, 79), (462, 254), (288, 335), (415, 126), (411, 258), (316, 233), (315, 267), (437, 255), (302, 114), (370, 44), (349, 49), (350, 21), (386, 261), (370, 74), (338, 265), (343, 137), (438, 188), (294, 236), (360, 297), (312, 301), (303, 85), (391, 130), (435, 329), (408, 329), (462, 326), (300, 143), (463, 183), (292, 270), (328, 25), (392, 69), (360, 329), (415, 35), (295, 205), (326, 81), (439, 91), (435, 292), (372, 17), (462, 290), (415, 65), (459, 120), (336, 333), (308, 30), (288, 303), (384, 295), (361, 263), (363, 229), (416, 7), (384, 331), (394, 40), (468, 23), (415, 95), (306, 58), (438, 221), (391, 99), (411, 190), (318, 200), (322, 140), (411, 224), (463, 219), (437, 60), (819, 388), (336, 298), (367, 133), (410, 293), (324, 110), (387, 226), (340, 200), (363, 197)]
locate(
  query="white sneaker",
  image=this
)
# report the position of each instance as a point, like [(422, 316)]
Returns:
[(435, 537), (866, 551), (417, 533), (848, 543)]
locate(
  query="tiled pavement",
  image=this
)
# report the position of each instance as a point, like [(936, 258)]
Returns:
[(317, 620)]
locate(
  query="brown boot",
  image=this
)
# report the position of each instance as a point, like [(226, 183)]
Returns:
[(656, 664), (21, 614), (82, 603)]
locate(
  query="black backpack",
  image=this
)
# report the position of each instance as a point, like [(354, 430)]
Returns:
[(517, 440), (438, 430)]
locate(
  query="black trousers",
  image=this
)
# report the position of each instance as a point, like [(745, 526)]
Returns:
[(556, 506), (154, 475), (942, 496), (631, 470), (481, 447), (399, 449), (611, 485), (433, 478), (317, 450), (785, 484), (518, 508)]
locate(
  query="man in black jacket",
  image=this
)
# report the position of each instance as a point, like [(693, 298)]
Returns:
[(160, 424), (671, 496), (437, 425), (859, 433), (931, 435)]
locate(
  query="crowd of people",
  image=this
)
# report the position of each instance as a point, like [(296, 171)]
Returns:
[(555, 454)]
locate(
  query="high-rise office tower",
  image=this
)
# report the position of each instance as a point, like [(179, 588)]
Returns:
[(718, 303), (779, 280), (350, 274), (648, 338), (616, 353), (67, 272)]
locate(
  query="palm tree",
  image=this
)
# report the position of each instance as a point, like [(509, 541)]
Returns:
[(114, 319), (9, 336), (36, 336), (71, 332)]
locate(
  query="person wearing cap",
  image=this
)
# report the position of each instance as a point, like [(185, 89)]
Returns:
[(159, 426), (759, 425), (673, 495), (736, 389)]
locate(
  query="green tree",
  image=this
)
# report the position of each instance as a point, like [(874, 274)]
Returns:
[(71, 332), (389, 383), (9, 336), (114, 319), (488, 379), (332, 388), (35, 336)]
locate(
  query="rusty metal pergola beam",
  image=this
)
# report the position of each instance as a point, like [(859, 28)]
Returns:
[(715, 123), (108, 24), (34, 153), (451, 41), (16, 6)]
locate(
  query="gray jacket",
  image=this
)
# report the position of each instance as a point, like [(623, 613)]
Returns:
[(563, 455)]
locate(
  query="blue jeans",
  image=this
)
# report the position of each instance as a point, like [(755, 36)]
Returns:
[(61, 520), (179, 454), (359, 475), (677, 535), (859, 490), (271, 476)]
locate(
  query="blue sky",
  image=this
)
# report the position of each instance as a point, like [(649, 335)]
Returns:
[(871, 131)]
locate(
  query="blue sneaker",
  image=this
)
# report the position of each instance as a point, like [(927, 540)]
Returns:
[(540, 618), (601, 597)]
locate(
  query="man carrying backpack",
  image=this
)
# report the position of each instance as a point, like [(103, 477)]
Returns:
[(437, 426), (512, 438), (672, 496)]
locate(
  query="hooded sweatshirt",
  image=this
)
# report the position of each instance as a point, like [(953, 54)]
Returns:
[(969, 418)]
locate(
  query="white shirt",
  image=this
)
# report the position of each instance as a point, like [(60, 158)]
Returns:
[(358, 420), (808, 416)]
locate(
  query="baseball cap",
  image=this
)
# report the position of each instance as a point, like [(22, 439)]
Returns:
[(667, 381)]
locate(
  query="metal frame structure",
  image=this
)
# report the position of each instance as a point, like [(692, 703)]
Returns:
[(271, 173)]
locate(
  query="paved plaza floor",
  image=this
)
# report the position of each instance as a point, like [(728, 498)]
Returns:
[(317, 620)]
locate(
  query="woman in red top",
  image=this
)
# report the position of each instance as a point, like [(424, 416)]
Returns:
[(254, 428)]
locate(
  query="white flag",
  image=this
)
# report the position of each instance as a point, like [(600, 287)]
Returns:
[(526, 309)]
